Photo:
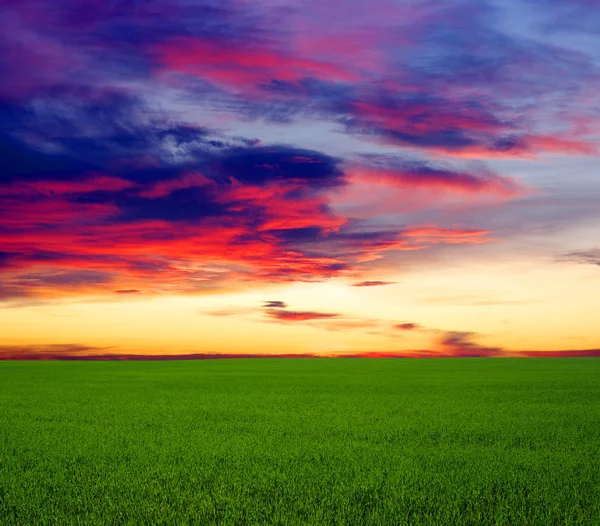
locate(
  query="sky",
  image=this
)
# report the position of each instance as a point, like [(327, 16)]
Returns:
[(340, 178)]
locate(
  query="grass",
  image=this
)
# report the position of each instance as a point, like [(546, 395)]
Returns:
[(286, 441)]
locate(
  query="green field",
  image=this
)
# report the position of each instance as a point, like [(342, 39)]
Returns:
[(292, 441)]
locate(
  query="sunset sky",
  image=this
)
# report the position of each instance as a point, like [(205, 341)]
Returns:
[(334, 177)]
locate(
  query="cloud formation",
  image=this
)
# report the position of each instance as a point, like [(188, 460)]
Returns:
[(275, 304), (278, 310), (458, 343), (407, 326), (293, 316), (176, 147), (373, 283), (83, 353), (52, 351), (163, 206), (410, 174), (587, 257)]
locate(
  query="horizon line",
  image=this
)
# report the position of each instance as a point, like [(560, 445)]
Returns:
[(41, 356)]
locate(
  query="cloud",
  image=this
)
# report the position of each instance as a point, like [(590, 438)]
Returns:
[(577, 16), (142, 203), (458, 343), (232, 311), (431, 234), (407, 326), (299, 316), (43, 283), (278, 310), (455, 128), (232, 202), (48, 352), (425, 353), (588, 257), (373, 283), (76, 278), (584, 353), (366, 246), (97, 150), (420, 175), (275, 305), (84, 353), (239, 66)]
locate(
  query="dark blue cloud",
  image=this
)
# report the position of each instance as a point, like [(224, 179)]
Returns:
[(188, 205), (22, 161), (262, 164), (301, 235)]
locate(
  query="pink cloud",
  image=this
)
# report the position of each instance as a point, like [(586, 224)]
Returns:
[(438, 180), (187, 180), (374, 283), (233, 65), (294, 316), (407, 326)]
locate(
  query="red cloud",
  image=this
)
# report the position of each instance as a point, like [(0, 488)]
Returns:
[(421, 118), (407, 326), (263, 214), (280, 212), (585, 353), (159, 251), (462, 132), (432, 235), (288, 315), (570, 146), (187, 180), (232, 65), (152, 255), (91, 235), (458, 343), (415, 238), (438, 180)]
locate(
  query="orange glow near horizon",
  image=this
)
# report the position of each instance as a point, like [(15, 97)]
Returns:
[(515, 314)]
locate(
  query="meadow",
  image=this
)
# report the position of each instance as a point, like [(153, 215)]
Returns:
[(301, 441)]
